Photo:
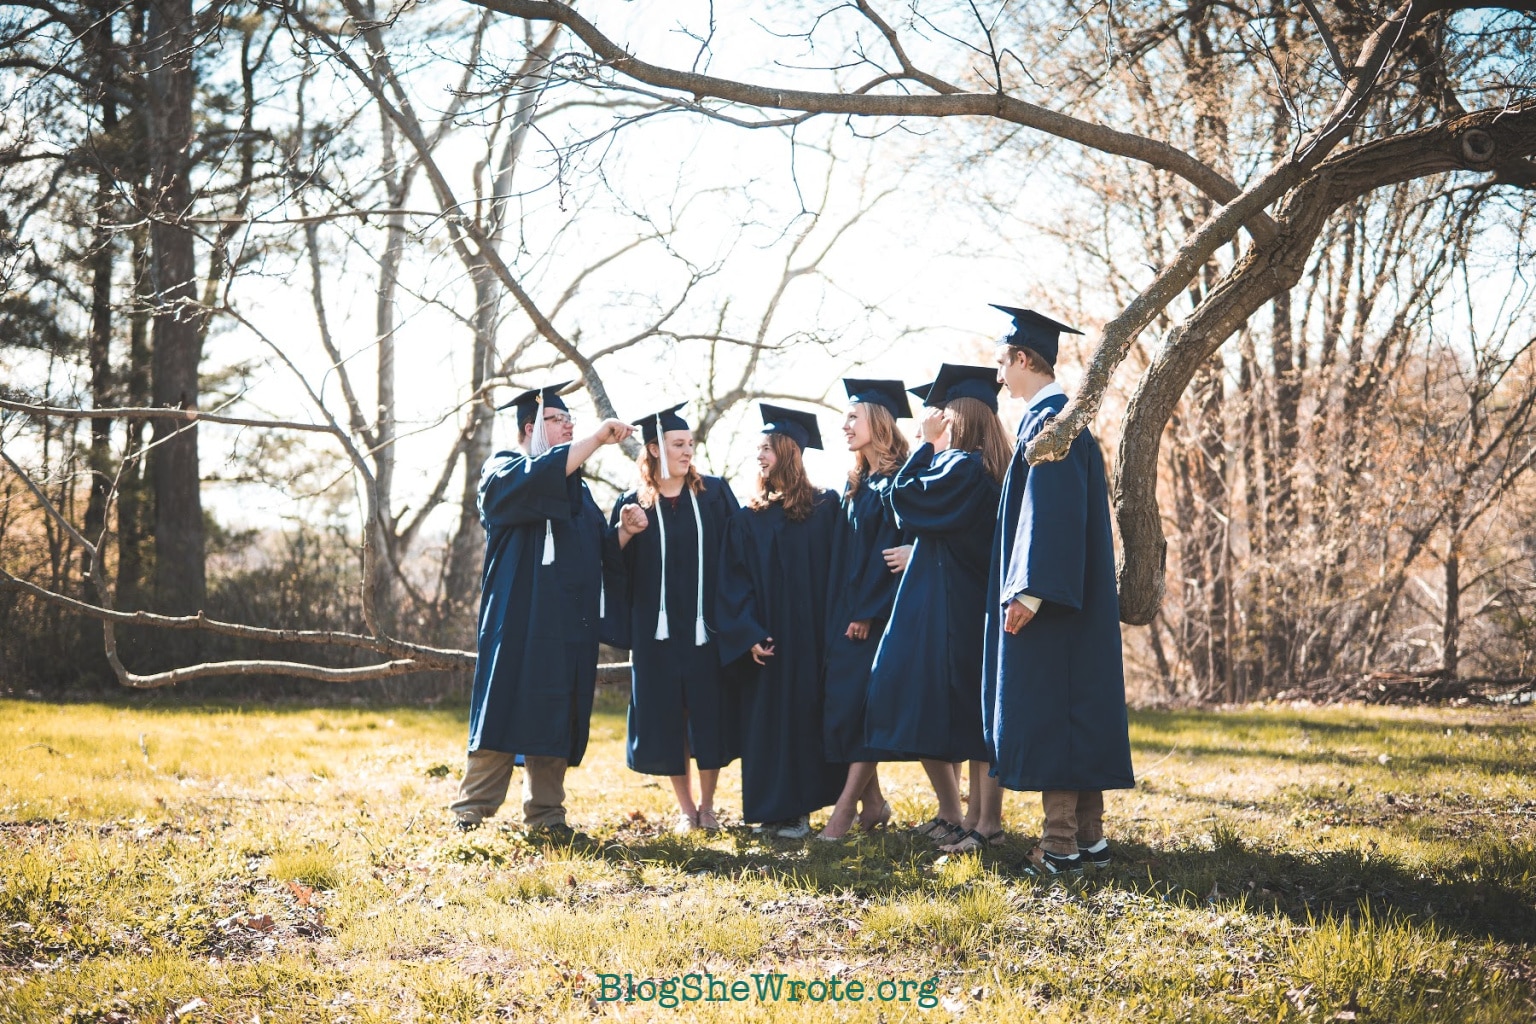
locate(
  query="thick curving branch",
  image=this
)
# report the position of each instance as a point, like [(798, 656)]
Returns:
[(1500, 137), (951, 101)]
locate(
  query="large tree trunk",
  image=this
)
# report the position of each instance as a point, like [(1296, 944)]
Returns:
[(180, 580)]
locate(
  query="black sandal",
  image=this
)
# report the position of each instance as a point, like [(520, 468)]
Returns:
[(974, 840), (946, 829)]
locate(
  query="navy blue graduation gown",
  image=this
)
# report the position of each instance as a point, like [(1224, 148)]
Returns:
[(1054, 694), (536, 664), (773, 582), (925, 686), (677, 692), (863, 587)]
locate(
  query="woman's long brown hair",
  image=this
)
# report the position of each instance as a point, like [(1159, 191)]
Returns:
[(650, 475), (886, 451), (786, 483), (975, 427)]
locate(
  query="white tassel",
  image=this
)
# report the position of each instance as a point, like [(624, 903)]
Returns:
[(661, 450), (602, 598), (663, 632), (536, 447), (700, 634), (540, 442)]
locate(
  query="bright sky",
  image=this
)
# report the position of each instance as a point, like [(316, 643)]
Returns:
[(900, 292)]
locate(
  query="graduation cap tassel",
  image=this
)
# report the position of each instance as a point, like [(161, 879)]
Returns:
[(540, 443), (700, 634), (661, 450), (549, 542), (662, 632)]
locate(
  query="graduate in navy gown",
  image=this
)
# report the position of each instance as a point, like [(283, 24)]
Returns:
[(771, 611), (541, 596), (925, 687), (1054, 683), (863, 588), (670, 530)]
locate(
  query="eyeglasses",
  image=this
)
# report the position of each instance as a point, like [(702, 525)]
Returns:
[(559, 419)]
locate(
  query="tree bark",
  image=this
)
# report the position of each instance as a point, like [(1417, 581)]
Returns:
[(180, 580)]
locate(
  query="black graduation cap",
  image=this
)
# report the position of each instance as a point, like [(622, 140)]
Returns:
[(885, 393), (921, 391), (957, 381), (655, 424), (528, 402), (1035, 331), (798, 426)]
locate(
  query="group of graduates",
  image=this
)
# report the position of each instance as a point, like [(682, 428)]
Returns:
[(954, 605)]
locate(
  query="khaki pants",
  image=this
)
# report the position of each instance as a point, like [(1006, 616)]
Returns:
[(1073, 817), (489, 773)]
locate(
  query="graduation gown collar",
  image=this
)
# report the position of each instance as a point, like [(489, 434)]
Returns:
[(1051, 390)]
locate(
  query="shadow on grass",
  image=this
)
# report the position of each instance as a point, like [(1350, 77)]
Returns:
[(1489, 893)]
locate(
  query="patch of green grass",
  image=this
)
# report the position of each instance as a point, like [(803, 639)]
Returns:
[(299, 864)]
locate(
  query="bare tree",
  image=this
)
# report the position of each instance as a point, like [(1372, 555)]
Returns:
[(1283, 206)]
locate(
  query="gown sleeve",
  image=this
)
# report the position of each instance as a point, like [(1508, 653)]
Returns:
[(738, 618), (728, 499), (617, 570), (875, 586), (936, 492), (1050, 544), (516, 490)]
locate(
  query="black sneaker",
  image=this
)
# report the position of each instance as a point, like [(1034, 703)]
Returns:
[(467, 824), (1098, 854), (1042, 863)]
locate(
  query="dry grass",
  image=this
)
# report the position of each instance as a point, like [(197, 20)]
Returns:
[(297, 864)]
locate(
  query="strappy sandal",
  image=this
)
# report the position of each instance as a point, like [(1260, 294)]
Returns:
[(937, 829), (707, 821), (974, 840)]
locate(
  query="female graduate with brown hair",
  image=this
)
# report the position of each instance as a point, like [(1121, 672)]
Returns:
[(771, 610), (925, 687), (670, 530), (863, 590)]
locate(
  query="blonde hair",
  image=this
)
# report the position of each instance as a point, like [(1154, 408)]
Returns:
[(975, 427), (886, 451), (786, 483), (650, 474)]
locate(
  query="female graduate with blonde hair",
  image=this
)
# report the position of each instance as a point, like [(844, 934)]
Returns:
[(669, 530), (772, 612), (925, 686), (863, 590)]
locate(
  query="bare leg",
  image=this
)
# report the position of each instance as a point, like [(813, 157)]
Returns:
[(876, 811), (941, 775), (681, 785), (708, 778), (986, 805), (841, 819)]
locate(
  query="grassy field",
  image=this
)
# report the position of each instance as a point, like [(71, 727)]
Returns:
[(164, 862)]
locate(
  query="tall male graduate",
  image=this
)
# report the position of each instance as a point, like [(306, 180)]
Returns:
[(540, 610), (1053, 697)]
